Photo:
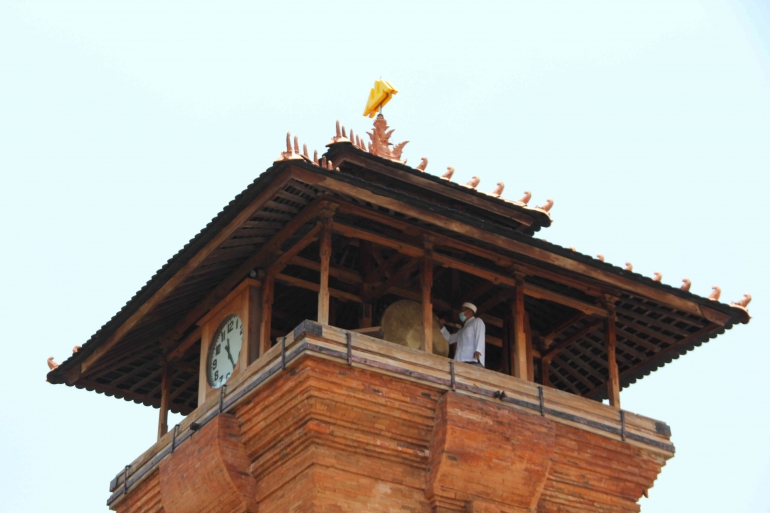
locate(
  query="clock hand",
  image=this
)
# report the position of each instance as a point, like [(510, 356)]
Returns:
[(227, 348)]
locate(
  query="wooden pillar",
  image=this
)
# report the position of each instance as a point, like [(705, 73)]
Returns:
[(530, 350), (268, 292), (323, 288), (519, 352), (255, 321), (545, 368), (613, 383), (365, 291), (165, 395), (507, 349), (426, 281)]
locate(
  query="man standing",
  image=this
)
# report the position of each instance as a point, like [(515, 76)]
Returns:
[(470, 339)]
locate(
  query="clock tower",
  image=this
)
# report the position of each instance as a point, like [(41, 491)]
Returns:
[(266, 332)]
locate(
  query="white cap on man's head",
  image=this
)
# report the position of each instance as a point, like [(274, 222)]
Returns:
[(470, 306)]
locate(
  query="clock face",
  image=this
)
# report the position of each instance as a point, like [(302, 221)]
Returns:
[(224, 350)]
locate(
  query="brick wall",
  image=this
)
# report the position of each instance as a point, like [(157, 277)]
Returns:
[(326, 437)]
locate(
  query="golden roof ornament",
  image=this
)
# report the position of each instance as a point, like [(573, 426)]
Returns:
[(379, 96), (380, 144)]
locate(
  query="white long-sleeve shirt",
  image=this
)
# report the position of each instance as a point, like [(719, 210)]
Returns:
[(470, 338)]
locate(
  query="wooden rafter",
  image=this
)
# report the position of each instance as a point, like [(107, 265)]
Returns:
[(177, 279), (398, 278), (637, 318), (479, 290), (662, 354), (559, 347), (453, 263), (567, 264), (638, 340), (235, 277), (315, 287)]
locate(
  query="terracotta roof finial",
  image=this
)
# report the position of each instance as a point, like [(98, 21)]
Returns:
[(657, 276), (315, 157), (474, 182), (686, 284), (547, 206), (323, 162), (52, 364), (343, 132), (629, 266), (572, 248), (423, 164), (304, 151), (743, 303), (291, 153), (715, 293), (75, 349), (600, 257), (449, 172), (498, 190), (525, 199)]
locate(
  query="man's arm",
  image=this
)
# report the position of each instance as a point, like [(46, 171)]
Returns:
[(449, 337)]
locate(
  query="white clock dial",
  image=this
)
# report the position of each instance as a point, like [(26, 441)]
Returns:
[(224, 350)]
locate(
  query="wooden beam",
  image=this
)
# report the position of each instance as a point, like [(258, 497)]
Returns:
[(495, 300), (186, 385), (566, 367), (224, 287), (268, 295), (453, 263), (315, 287), (541, 293), (282, 261), (572, 319), (524, 218), (397, 278), (530, 351), (519, 352), (185, 344), (325, 253), (661, 355), (613, 382), (366, 268), (558, 348), (174, 281), (375, 275), (426, 282), (646, 344), (165, 393), (344, 275), (130, 374), (476, 291), (545, 370), (104, 368), (545, 256), (357, 233)]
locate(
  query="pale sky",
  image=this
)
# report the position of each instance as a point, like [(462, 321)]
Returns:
[(126, 126)]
